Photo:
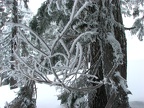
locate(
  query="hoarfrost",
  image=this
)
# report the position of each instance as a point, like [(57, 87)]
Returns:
[(116, 48), (122, 82)]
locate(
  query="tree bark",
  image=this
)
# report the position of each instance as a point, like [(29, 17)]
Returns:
[(101, 96), (97, 98), (13, 43)]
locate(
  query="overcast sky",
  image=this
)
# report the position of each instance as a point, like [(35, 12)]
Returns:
[(33, 4)]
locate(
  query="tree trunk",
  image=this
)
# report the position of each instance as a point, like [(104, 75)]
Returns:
[(13, 44), (25, 95), (99, 98), (121, 100)]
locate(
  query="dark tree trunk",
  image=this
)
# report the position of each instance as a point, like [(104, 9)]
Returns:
[(100, 97), (121, 100), (25, 95), (13, 44), (97, 98)]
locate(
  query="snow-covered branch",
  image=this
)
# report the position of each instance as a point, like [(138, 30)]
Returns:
[(81, 9), (76, 40), (27, 28), (116, 48), (72, 17), (67, 25), (122, 82)]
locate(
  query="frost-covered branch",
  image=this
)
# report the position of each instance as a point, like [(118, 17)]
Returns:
[(112, 71), (29, 43), (67, 25), (72, 17), (122, 82), (27, 28), (86, 88), (81, 9), (80, 56), (117, 51), (82, 34)]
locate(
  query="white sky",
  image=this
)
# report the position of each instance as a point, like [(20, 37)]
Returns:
[(135, 48), (33, 4), (135, 54)]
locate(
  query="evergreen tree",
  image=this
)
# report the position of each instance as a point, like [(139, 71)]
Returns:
[(99, 45), (138, 24), (25, 95)]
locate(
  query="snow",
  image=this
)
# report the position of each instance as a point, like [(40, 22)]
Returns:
[(137, 104), (122, 82), (116, 47), (47, 97), (6, 95), (81, 9)]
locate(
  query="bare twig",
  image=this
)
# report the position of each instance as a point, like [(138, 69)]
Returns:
[(125, 28)]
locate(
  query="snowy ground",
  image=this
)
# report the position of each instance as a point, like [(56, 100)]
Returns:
[(46, 97), (137, 104), (6, 95)]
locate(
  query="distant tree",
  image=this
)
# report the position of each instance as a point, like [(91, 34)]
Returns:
[(25, 95)]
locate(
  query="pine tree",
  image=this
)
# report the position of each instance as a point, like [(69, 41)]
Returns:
[(25, 95), (102, 95)]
